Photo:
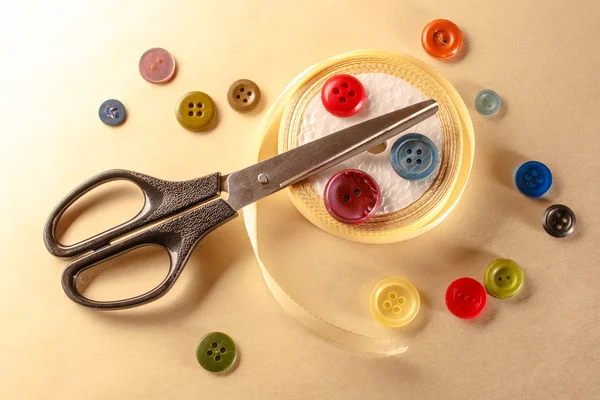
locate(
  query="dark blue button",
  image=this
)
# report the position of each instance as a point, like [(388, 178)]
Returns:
[(414, 156), (533, 179), (112, 112)]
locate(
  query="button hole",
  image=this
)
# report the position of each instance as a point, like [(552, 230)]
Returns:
[(397, 309), (418, 161), (346, 198), (218, 357), (409, 160), (238, 96), (356, 192), (351, 93), (499, 279), (199, 113), (564, 220), (345, 85), (342, 99), (191, 105), (409, 151), (249, 94), (508, 277), (242, 90), (191, 113), (222, 349), (559, 226), (200, 105), (419, 152), (160, 60), (245, 100), (214, 345), (209, 353), (335, 91)]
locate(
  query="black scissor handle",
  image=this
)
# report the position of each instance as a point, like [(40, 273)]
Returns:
[(161, 199), (178, 236)]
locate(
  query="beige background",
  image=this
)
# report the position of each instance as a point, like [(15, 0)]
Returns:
[(61, 59)]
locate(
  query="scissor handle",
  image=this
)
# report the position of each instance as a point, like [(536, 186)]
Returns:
[(161, 199), (178, 236)]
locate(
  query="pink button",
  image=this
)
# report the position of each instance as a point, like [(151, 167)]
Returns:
[(157, 65), (343, 95), (352, 196)]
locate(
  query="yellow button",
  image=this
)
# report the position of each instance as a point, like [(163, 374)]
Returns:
[(196, 111), (395, 302)]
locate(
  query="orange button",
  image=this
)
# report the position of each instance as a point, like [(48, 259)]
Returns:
[(442, 39)]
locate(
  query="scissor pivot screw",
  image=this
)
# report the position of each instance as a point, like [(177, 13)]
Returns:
[(262, 178)]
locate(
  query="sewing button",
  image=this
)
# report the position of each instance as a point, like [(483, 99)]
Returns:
[(395, 302), (414, 156), (533, 179), (487, 102), (216, 352), (352, 196), (465, 298), (196, 111), (112, 112), (442, 39), (343, 95), (157, 65), (503, 278), (243, 95), (559, 221)]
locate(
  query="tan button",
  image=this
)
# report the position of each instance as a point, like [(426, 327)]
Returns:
[(243, 95), (196, 111), (157, 65)]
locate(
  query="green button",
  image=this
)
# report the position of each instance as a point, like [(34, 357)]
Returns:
[(503, 278), (196, 111), (216, 352)]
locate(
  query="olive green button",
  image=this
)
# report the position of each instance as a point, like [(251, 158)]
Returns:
[(243, 95), (216, 352), (503, 278), (196, 111)]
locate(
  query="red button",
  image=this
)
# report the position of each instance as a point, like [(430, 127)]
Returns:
[(465, 298), (352, 196), (343, 95)]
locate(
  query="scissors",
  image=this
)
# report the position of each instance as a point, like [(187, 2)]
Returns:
[(192, 209)]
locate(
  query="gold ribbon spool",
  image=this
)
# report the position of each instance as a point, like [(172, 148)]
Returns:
[(457, 130), (283, 121)]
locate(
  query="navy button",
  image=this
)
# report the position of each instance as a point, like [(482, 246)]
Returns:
[(533, 179), (487, 102), (112, 112), (414, 156)]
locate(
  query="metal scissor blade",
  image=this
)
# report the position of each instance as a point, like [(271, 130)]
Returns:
[(260, 180)]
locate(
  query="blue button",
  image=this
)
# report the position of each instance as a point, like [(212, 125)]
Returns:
[(533, 179), (487, 102), (112, 112), (414, 156)]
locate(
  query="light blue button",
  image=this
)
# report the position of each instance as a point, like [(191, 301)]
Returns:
[(414, 156), (112, 112), (533, 179), (488, 102)]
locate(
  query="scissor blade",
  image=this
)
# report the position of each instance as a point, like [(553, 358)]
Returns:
[(267, 177)]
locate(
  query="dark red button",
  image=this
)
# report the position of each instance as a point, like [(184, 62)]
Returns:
[(352, 196), (343, 95), (465, 298)]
